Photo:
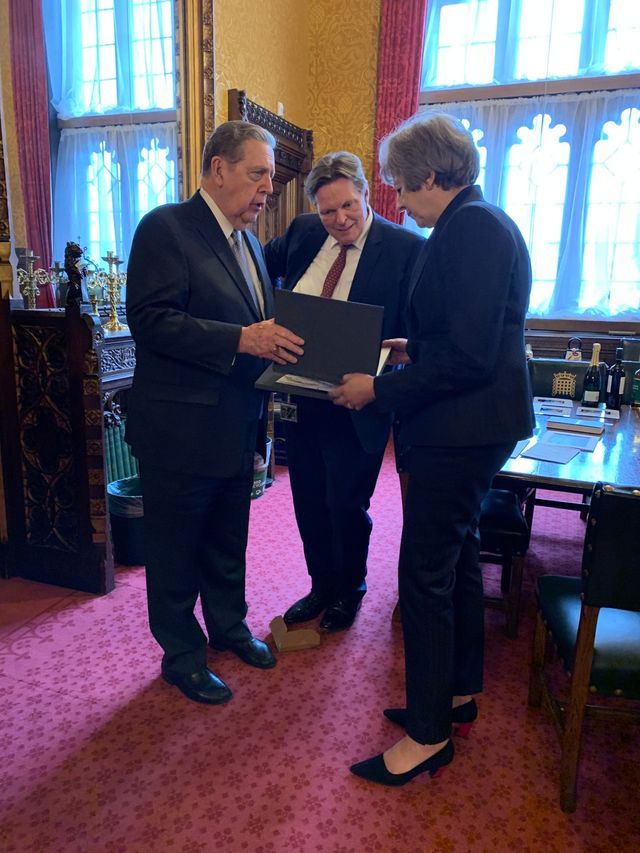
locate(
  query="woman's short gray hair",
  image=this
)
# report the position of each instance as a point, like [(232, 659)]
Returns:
[(331, 167), (228, 140), (430, 142)]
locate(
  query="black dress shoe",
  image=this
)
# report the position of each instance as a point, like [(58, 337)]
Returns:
[(251, 651), (340, 614), (200, 686), (375, 770), (306, 608), (462, 717)]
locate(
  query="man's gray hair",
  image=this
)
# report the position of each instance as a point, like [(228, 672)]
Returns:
[(228, 140), (430, 142), (331, 167)]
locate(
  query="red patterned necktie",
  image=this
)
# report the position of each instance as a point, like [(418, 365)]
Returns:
[(335, 271)]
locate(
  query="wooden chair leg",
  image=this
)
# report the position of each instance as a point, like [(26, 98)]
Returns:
[(575, 710), (538, 658)]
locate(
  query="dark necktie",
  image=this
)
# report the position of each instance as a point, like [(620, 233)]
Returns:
[(237, 244), (335, 271)]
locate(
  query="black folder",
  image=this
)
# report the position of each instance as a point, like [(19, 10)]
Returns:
[(339, 337)]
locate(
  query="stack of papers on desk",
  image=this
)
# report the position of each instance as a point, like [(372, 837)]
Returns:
[(555, 406), (576, 425), (570, 439), (550, 453)]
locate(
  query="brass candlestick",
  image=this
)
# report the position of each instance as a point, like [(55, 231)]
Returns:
[(57, 279), (28, 281), (113, 324)]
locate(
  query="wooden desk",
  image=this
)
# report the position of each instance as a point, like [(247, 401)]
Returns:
[(615, 460)]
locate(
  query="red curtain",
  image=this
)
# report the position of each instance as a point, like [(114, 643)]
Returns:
[(399, 65), (30, 98)]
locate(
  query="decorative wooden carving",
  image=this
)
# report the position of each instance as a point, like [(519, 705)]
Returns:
[(46, 437), (195, 72), (293, 160), (65, 364)]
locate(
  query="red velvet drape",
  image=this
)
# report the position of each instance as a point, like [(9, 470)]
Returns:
[(399, 64), (30, 97)]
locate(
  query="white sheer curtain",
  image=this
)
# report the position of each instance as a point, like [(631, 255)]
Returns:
[(107, 179), (566, 168)]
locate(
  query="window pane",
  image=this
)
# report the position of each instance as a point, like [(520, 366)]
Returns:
[(611, 263), (479, 42), (622, 52), (549, 39), (462, 40), (156, 177), (536, 189)]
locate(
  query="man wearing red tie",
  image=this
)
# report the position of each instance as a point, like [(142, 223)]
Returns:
[(344, 251)]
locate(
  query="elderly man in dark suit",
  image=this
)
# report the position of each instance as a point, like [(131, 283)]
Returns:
[(344, 251), (197, 297)]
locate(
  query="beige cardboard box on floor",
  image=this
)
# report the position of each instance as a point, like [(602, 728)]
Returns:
[(292, 641)]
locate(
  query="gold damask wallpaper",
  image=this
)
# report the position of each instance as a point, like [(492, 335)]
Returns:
[(317, 57), (262, 48), (343, 58)]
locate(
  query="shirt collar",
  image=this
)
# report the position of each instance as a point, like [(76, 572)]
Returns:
[(223, 222)]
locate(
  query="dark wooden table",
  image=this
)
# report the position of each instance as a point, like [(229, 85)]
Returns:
[(616, 460)]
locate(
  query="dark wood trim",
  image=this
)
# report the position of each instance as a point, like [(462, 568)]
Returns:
[(530, 89), (114, 119), (626, 329)]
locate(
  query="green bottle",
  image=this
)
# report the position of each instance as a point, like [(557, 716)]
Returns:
[(592, 385), (635, 389)]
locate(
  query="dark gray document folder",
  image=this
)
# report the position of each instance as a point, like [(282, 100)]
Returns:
[(339, 337)]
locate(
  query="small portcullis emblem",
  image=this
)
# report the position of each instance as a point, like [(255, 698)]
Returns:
[(564, 385)]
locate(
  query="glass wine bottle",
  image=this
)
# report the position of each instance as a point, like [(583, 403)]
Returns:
[(592, 383), (635, 389), (616, 378)]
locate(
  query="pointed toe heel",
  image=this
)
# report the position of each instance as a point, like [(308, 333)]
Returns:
[(375, 770)]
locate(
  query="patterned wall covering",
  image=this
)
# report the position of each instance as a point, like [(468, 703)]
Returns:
[(262, 48), (324, 71), (343, 57)]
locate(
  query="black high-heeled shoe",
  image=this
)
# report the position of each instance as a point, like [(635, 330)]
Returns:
[(462, 717), (375, 770)]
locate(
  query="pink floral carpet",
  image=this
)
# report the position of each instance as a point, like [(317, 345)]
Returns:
[(99, 754)]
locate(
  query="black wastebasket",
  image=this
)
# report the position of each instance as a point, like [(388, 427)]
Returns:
[(126, 516)]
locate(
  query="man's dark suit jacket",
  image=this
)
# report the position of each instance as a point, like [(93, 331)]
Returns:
[(381, 278), (468, 384), (193, 407)]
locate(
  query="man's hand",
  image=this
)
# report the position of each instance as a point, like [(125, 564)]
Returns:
[(268, 340), (355, 392), (399, 353)]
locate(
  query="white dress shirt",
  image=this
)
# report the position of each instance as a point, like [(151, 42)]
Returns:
[(313, 279)]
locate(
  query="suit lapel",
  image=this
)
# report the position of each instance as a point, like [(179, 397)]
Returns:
[(207, 226), (367, 263), (418, 268)]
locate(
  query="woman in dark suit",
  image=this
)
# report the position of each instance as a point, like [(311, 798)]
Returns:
[(463, 400)]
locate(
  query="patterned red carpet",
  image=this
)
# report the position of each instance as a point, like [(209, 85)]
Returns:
[(99, 754)]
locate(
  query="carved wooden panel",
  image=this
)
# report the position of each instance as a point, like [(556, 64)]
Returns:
[(45, 430), (293, 159)]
